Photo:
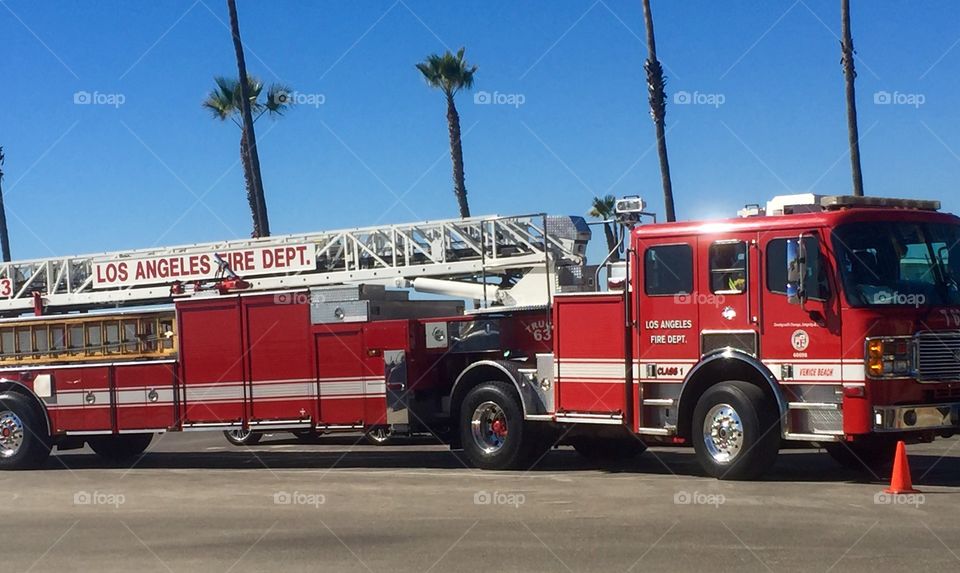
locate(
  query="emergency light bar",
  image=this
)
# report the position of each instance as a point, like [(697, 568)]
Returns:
[(810, 202), (845, 201)]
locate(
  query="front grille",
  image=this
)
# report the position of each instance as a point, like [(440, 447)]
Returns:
[(938, 356)]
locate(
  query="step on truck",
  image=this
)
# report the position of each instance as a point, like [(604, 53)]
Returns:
[(826, 320)]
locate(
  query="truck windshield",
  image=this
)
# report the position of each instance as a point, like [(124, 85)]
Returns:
[(899, 263)]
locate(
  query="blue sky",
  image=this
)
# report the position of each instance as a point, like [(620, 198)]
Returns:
[(766, 113)]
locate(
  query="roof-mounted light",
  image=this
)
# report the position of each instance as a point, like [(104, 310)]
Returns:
[(811, 202), (835, 202), (629, 209)]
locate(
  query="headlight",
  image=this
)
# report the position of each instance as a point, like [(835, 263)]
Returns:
[(890, 357)]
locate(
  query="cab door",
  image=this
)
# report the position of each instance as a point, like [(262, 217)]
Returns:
[(729, 300), (667, 345), (802, 345)]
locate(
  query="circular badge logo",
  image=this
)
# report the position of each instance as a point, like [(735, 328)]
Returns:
[(800, 340)]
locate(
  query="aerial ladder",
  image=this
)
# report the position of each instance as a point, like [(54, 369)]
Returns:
[(499, 262)]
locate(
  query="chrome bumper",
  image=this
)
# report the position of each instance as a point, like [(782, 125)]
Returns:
[(920, 417)]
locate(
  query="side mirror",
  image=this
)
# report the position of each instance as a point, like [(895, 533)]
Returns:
[(796, 270)]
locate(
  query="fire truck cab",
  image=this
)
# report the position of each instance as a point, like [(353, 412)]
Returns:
[(826, 320)]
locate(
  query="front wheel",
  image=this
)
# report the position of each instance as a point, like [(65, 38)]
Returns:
[(24, 442), (493, 432), (120, 448), (735, 431), (240, 437)]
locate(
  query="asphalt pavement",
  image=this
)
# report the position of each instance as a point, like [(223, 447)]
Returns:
[(195, 503)]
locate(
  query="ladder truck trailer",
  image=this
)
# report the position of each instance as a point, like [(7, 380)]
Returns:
[(813, 320)]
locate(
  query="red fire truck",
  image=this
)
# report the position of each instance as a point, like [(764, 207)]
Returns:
[(825, 320)]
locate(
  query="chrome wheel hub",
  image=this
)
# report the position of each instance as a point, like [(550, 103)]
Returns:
[(723, 433), (11, 434), (489, 427), (240, 435)]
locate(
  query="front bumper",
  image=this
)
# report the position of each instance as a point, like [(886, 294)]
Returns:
[(918, 417)]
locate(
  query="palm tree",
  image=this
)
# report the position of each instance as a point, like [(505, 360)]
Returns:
[(248, 132), (850, 75), (450, 73), (224, 102), (4, 237), (658, 110), (603, 209)]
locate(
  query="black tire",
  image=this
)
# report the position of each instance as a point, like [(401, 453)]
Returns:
[(24, 441), (379, 436), (520, 445), (600, 449), (870, 454), (747, 440), (243, 437), (120, 448)]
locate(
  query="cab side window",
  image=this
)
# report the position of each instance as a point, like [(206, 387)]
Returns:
[(668, 270), (728, 267), (815, 283)]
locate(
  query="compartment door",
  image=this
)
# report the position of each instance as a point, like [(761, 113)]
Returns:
[(340, 376), (212, 358), (282, 385)]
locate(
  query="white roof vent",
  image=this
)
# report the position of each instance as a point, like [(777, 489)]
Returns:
[(799, 203)]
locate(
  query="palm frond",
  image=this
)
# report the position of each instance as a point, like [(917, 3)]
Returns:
[(603, 207), (278, 99), (448, 72), (224, 101)]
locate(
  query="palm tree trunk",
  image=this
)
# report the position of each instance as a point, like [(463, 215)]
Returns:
[(850, 75), (251, 194), (4, 237), (456, 155), (658, 110), (248, 132), (611, 242)]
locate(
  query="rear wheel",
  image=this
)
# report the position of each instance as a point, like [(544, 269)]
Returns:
[(379, 435), (120, 448), (735, 431), (492, 430), (240, 437), (24, 442)]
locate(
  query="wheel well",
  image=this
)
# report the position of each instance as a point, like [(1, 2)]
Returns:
[(714, 372), (18, 388)]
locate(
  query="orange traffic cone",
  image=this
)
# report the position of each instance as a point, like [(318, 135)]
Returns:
[(900, 481)]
